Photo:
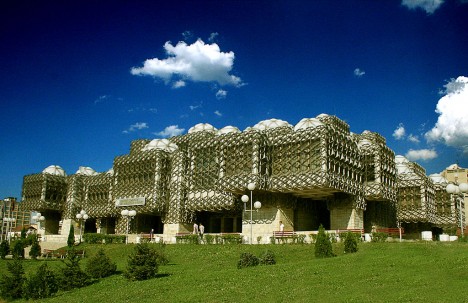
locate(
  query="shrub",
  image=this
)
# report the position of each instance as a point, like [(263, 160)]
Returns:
[(35, 248), (300, 239), (142, 264), (313, 238), (11, 286), (209, 239), (4, 249), (231, 239), (247, 260), (72, 276), (41, 284), (351, 243), (71, 236), (323, 245), (17, 249), (94, 238), (379, 237), (267, 258), (259, 239), (100, 265)]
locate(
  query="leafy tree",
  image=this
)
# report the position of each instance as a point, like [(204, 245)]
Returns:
[(4, 249), (71, 236), (350, 243), (17, 249), (41, 284), (35, 248), (323, 245), (11, 286), (72, 276), (142, 263), (100, 265)]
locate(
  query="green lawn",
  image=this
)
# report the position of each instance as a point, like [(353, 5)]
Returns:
[(378, 272)]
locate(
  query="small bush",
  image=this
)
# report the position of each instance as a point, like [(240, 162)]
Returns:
[(72, 276), (4, 249), (379, 237), (351, 243), (41, 284), (209, 239), (268, 258), (323, 245), (313, 238), (35, 248), (300, 239), (11, 286), (142, 264), (71, 236), (259, 239), (247, 260), (100, 265)]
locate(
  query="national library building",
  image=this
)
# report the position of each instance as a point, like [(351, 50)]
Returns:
[(314, 173)]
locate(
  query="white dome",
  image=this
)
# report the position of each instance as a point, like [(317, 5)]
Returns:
[(202, 127), (403, 168), (400, 159), (110, 172), (437, 178), (453, 166), (227, 130), (308, 123), (270, 124), (86, 171), (161, 144), (322, 116), (55, 170)]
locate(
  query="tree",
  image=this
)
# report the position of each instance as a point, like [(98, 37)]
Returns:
[(4, 249), (142, 264), (41, 284), (323, 245), (350, 243), (71, 275), (11, 286), (17, 249), (35, 248), (100, 265), (71, 236)]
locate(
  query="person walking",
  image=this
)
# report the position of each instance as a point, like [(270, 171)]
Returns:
[(195, 228), (201, 230)]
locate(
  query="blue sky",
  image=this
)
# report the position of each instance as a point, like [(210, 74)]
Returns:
[(79, 80)]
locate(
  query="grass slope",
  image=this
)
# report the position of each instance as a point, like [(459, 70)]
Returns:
[(378, 272)]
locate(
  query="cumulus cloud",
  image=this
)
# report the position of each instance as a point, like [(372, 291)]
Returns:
[(451, 127), (221, 94), (170, 131), (400, 132), (359, 73), (135, 127), (178, 84), (218, 113), (430, 6), (421, 154), (197, 62)]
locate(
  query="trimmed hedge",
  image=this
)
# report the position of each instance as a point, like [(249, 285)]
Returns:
[(103, 238)]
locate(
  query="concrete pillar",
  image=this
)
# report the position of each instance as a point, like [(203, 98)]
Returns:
[(343, 215)]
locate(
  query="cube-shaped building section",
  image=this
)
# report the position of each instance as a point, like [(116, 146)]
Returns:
[(313, 173)]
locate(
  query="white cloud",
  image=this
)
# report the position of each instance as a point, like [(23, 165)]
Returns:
[(187, 35), (452, 125), (399, 133), (101, 99), (135, 127), (218, 113), (213, 37), (359, 73), (413, 138), (194, 107), (178, 84), (421, 154), (170, 131), (430, 6), (197, 62), (221, 94)]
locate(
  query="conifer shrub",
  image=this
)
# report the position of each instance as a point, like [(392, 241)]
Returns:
[(72, 276), (17, 249), (267, 258), (350, 243), (142, 263), (247, 260), (11, 286), (4, 249), (71, 236), (323, 245), (35, 248), (42, 283), (379, 237), (100, 265)]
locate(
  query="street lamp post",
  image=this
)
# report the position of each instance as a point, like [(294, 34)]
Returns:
[(257, 205), (129, 215), (82, 216), (457, 191)]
